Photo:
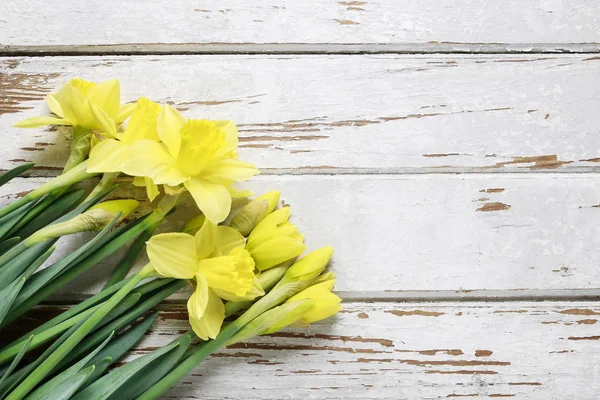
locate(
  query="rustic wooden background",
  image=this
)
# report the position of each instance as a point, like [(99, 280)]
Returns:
[(448, 150)]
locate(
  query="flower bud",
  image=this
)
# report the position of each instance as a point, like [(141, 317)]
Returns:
[(308, 267), (272, 320), (94, 219), (325, 303), (275, 240), (254, 212)]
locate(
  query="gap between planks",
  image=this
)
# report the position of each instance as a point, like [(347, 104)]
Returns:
[(299, 48), (418, 296)]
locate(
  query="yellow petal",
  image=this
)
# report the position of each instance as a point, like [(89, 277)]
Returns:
[(36, 122), (238, 194), (149, 158), (139, 181), (107, 95), (233, 273), (276, 251), (151, 189), (226, 171), (212, 199), (169, 124), (53, 104), (173, 255), (231, 136), (228, 239), (142, 124), (108, 125), (199, 299), (206, 238), (71, 103), (107, 156), (209, 325), (125, 111)]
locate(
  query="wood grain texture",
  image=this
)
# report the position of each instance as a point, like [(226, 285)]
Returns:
[(345, 114), (395, 233), (31, 22), (399, 351)]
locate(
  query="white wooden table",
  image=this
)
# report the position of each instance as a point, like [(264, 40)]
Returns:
[(448, 150)]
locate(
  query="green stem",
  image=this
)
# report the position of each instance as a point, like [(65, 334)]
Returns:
[(130, 257), (76, 174), (106, 181), (76, 337), (80, 148)]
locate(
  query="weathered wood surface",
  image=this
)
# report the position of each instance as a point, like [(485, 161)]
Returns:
[(32, 22), (407, 351), (430, 232), (345, 114)]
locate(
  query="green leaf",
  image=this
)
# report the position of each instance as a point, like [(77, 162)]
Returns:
[(153, 372), (8, 243), (45, 212), (21, 374), (66, 388), (16, 361), (123, 321), (46, 275), (7, 222), (9, 293), (44, 391), (48, 334), (13, 173), (125, 341), (128, 260), (23, 262), (104, 387), (118, 240), (101, 367)]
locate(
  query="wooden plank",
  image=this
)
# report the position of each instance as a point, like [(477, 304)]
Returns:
[(30, 22), (406, 351), (395, 233), (345, 114)]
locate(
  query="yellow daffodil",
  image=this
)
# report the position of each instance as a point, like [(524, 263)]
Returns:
[(216, 259), (79, 103), (201, 155), (110, 154), (275, 240)]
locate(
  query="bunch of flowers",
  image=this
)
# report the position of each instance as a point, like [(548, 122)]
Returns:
[(249, 277)]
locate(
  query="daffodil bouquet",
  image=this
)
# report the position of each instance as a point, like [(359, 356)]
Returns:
[(246, 276)]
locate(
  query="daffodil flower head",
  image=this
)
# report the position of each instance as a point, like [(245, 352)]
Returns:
[(216, 260), (110, 154), (78, 103), (201, 155), (275, 240)]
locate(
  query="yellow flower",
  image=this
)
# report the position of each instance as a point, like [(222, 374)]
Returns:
[(216, 259), (85, 106), (325, 303), (275, 240), (109, 155), (200, 154)]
